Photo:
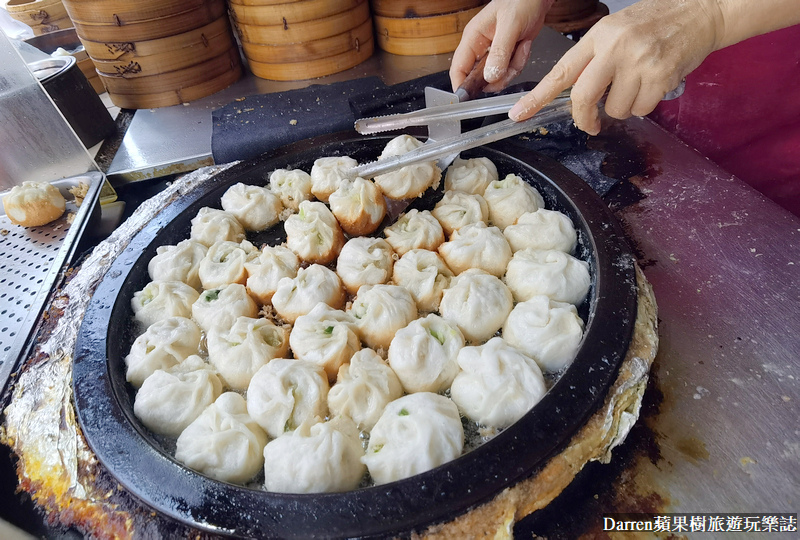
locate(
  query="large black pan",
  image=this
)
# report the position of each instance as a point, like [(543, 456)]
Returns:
[(142, 464)]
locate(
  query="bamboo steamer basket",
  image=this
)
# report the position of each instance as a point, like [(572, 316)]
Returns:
[(415, 36), (123, 29), (169, 58), (291, 12), (130, 50), (43, 16), (180, 95), (303, 39), (310, 50), (195, 75), (418, 8), (311, 69), (157, 53)]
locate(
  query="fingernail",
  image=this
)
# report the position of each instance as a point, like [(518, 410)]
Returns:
[(516, 111), (492, 73)]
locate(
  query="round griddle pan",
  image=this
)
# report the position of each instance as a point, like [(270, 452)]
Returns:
[(142, 462)]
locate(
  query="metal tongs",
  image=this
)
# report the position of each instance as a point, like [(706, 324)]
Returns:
[(445, 150)]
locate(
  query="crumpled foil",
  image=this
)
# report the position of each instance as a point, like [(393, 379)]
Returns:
[(55, 465)]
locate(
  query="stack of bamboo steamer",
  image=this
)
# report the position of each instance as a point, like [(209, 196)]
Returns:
[(43, 16), (156, 53), (286, 40), (422, 27)]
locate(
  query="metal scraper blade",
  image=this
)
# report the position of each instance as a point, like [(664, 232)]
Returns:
[(442, 129)]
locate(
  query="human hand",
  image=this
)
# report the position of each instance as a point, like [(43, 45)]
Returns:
[(508, 26), (642, 51)]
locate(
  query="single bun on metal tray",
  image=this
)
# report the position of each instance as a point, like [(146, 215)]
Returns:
[(33, 204)]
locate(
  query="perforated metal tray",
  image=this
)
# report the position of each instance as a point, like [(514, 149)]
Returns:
[(31, 260)]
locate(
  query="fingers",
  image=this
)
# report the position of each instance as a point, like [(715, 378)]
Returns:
[(506, 34), (586, 92), (464, 59), (562, 76), (622, 95), (475, 40), (518, 62)]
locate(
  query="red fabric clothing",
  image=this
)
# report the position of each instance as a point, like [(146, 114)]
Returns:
[(741, 109)]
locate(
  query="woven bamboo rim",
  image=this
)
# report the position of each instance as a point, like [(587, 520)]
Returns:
[(153, 28), (167, 61), (309, 50), (304, 31), (44, 12), (119, 13), (285, 14), (51, 26), (421, 8), (419, 46), (314, 68), (15, 6), (419, 27), (262, 2), (173, 80), (117, 50), (179, 95)]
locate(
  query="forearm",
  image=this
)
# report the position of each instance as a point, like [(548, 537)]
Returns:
[(737, 20)]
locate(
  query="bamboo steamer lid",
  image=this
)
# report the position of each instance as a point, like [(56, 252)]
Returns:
[(147, 29), (43, 16), (170, 59), (423, 27), (421, 8), (311, 30), (313, 68), (310, 50), (289, 13), (184, 94), (129, 50)]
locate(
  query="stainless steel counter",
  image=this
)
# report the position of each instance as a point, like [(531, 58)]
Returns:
[(724, 263)]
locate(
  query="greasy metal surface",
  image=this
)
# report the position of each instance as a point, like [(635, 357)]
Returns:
[(177, 139), (104, 401), (31, 260), (725, 265), (719, 429)]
